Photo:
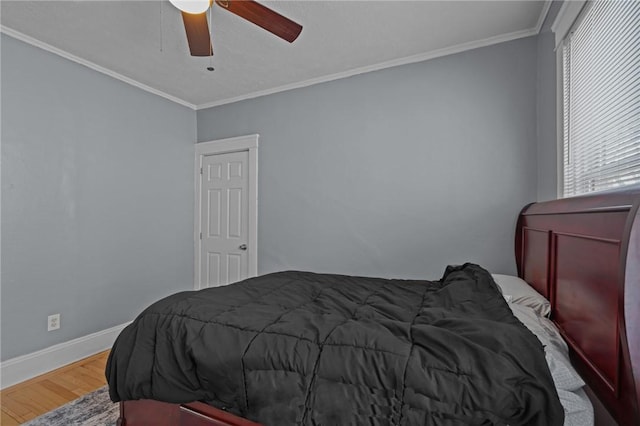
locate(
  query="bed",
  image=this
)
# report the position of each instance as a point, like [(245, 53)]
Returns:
[(581, 254)]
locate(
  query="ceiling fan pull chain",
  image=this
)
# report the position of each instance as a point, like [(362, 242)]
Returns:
[(210, 67), (161, 25)]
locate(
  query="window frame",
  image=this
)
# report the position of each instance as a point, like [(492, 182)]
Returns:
[(569, 17)]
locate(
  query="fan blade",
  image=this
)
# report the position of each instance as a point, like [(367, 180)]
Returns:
[(198, 36), (263, 17)]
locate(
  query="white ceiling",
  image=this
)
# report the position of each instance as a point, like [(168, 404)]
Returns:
[(144, 43)]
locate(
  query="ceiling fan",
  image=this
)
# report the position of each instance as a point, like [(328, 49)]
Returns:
[(197, 28)]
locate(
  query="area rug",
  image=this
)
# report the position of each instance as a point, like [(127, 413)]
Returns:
[(93, 409)]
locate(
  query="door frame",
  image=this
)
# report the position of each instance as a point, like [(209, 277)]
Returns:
[(248, 143)]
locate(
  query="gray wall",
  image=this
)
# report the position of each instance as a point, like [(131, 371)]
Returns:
[(97, 196), (547, 109), (392, 173), (396, 172)]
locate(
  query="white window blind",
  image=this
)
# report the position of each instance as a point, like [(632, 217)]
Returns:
[(601, 97)]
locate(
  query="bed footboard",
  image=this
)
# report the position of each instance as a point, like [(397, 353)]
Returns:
[(147, 412)]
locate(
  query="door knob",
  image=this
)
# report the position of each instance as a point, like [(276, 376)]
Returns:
[(243, 247)]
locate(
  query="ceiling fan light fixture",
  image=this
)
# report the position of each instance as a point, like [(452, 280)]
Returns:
[(192, 6)]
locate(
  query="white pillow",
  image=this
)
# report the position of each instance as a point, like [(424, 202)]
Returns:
[(555, 348), (519, 292)]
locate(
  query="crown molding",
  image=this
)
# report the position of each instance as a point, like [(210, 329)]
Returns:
[(306, 83), (379, 66), (42, 45)]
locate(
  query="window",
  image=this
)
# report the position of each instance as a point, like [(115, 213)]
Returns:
[(600, 59)]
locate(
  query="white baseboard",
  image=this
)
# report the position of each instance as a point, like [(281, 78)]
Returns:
[(25, 367)]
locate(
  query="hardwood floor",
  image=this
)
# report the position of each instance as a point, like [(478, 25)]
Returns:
[(27, 400)]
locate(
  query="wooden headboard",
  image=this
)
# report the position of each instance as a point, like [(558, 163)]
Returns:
[(583, 254)]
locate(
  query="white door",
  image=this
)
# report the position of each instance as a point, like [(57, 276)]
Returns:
[(224, 220), (226, 211)]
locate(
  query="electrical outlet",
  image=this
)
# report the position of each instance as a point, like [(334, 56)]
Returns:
[(53, 322)]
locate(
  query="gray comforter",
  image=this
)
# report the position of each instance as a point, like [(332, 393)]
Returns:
[(298, 348)]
